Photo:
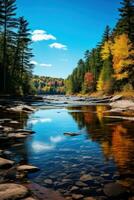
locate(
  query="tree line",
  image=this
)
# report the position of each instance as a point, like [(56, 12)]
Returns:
[(109, 67), (15, 51), (47, 85)]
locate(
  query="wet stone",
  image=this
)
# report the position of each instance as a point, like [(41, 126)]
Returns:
[(48, 181), (4, 163), (77, 196), (11, 191), (81, 184), (89, 198), (86, 177), (74, 189)]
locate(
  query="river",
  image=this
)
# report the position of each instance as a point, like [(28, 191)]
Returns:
[(100, 153)]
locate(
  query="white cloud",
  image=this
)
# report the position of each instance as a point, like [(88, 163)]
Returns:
[(45, 65), (39, 35), (40, 146), (56, 139), (43, 120), (58, 46), (34, 62)]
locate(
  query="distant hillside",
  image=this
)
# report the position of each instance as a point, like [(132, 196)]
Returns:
[(48, 85)]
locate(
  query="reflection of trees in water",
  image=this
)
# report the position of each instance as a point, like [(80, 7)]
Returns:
[(92, 119), (21, 117), (116, 139)]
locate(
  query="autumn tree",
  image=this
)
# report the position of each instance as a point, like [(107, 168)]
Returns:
[(123, 59), (88, 84)]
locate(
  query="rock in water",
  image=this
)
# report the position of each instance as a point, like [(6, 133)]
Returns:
[(4, 163), (77, 196), (11, 191), (28, 168), (114, 190), (86, 177)]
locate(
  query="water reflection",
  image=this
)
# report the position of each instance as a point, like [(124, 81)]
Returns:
[(103, 148), (114, 136)]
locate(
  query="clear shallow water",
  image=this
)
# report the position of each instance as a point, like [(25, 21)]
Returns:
[(104, 149)]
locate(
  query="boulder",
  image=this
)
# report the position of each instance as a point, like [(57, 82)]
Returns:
[(11, 191), (4, 163)]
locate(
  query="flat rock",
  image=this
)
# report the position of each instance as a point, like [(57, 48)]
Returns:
[(74, 189), (81, 184), (4, 163), (11, 191), (28, 168), (124, 104), (86, 177), (24, 131), (71, 134), (116, 97), (114, 190), (77, 196)]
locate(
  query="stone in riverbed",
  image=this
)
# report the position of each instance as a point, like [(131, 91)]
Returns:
[(29, 198), (77, 196), (89, 198), (24, 131), (114, 190), (81, 184), (4, 163), (86, 177), (74, 189), (28, 168), (11, 191), (48, 181)]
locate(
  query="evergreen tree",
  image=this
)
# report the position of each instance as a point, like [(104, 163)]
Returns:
[(8, 25), (126, 21)]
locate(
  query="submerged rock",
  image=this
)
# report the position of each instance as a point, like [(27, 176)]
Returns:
[(11, 191), (114, 190), (48, 181), (86, 177), (81, 184), (77, 196)]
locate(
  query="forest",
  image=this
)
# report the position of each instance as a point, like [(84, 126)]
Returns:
[(48, 85), (15, 51), (109, 67), (106, 69)]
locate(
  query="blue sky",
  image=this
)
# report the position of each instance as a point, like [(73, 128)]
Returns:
[(62, 30)]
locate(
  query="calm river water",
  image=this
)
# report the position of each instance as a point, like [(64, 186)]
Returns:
[(102, 153)]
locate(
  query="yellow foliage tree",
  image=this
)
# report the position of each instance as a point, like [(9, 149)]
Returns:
[(122, 56), (105, 79), (106, 50)]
